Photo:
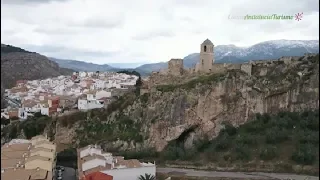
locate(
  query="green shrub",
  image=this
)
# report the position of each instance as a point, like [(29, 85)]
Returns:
[(143, 154), (304, 154), (229, 129), (242, 152), (307, 137), (5, 121), (13, 132), (71, 119), (268, 153), (35, 126), (144, 98), (222, 143), (276, 135), (203, 144), (246, 139)]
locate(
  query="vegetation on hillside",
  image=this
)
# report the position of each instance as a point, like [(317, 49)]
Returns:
[(286, 139), (203, 80), (97, 131), (33, 126), (9, 49), (287, 136)]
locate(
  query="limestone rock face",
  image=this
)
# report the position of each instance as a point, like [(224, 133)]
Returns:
[(197, 110), (235, 98)]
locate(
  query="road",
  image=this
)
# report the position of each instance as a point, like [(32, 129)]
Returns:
[(69, 174), (245, 175)]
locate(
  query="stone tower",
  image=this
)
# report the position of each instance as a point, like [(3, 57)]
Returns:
[(206, 56), (175, 67)]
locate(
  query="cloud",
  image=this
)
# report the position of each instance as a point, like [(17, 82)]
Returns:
[(27, 1), (105, 31)]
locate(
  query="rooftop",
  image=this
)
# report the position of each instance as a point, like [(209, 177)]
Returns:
[(15, 155), (207, 42)]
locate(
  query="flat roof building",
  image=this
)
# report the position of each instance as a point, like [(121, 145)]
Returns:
[(33, 159)]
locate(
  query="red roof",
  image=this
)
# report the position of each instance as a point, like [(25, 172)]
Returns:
[(98, 176)]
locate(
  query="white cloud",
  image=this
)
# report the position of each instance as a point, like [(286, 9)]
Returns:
[(103, 31)]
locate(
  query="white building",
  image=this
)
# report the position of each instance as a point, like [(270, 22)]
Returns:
[(93, 159), (103, 94), (84, 104)]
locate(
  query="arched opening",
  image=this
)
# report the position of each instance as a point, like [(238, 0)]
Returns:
[(205, 48), (202, 62)]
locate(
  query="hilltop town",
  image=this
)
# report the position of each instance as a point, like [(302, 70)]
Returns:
[(53, 96)]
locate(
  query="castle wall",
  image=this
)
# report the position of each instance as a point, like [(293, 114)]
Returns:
[(218, 68), (247, 68), (230, 66), (164, 71), (197, 67), (289, 59), (175, 67)]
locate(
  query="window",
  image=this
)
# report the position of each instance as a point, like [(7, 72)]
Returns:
[(202, 62), (205, 48)]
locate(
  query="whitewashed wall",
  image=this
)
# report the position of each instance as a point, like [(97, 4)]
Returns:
[(130, 173)]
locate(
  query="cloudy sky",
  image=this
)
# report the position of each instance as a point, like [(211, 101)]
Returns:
[(128, 31)]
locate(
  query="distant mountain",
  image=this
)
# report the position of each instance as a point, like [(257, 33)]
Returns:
[(91, 67), (223, 54), (20, 64), (125, 65), (81, 65), (233, 54)]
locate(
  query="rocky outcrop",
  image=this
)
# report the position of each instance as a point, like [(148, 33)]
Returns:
[(195, 110), (234, 97)]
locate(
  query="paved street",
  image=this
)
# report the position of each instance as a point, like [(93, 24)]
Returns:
[(69, 174), (196, 173)]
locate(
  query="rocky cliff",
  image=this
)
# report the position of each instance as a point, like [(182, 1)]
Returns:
[(197, 109)]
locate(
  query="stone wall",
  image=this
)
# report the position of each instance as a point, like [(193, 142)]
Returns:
[(246, 68), (176, 73), (218, 68), (221, 68), (175, 67), (230, 66), (164, 71), (289, 59)]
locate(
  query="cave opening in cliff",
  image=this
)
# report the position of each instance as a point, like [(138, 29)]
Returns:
[(176, 148), (185, 134)]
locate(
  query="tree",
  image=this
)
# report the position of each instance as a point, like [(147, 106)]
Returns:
[(147, 177), (5, 121)]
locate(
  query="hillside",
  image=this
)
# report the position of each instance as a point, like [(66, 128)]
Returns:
[(264, 122), (19, 64)]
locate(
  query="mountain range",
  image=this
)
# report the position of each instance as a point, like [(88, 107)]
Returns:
[(223, 54)]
